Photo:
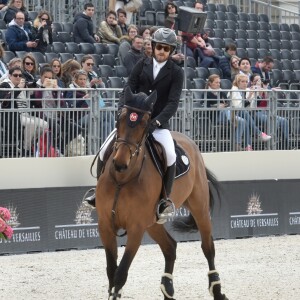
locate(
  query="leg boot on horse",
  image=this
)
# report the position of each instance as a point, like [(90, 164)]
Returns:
[(166, 207), (91, 200)]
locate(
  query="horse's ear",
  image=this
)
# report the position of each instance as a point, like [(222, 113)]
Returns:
[(151, 99), (128, 95)]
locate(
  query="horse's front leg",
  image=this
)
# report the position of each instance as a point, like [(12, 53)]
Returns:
[(134, 238), (109, 242), (168, 247)]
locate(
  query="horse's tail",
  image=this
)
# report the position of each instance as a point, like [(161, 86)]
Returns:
[(214, 185), (188, 224)]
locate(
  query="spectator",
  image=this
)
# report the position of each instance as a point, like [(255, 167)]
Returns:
[(57, 73), (47, 99), (33, 126), (199, 6), (264, 68), (218, 99), (3, 69), (18, 37), (234, 66), (83, 29), (80, 81), (145, 32), (134, 54), (224, 61), (147, 48), (29, 67), (171, 12), (68, 69), (3, 5), (125, 43), (129, 12), (109, 30), (259, 98), (245, 67), (14, 7), (122, 20), (239, 101), (42, 31), (93, 80), (15, 62)]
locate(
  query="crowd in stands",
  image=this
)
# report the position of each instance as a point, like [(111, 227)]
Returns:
[(84, 56)]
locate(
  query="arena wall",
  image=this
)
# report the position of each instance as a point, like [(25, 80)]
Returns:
[(260, 196)]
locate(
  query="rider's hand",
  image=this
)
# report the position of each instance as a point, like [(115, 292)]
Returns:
[(153, 125)]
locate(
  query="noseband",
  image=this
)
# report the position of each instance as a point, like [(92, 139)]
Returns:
[(137, 147)]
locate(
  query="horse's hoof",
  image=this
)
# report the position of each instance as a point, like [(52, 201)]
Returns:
[(166, 286), (221, 297), (115, 295)]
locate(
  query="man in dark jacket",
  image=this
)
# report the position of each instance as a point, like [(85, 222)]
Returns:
[(83, 30), (164, 76), (264, 68), (134, 54), (19, 37), (224, 61)]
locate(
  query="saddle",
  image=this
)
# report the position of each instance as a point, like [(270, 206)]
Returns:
[(158, 157)]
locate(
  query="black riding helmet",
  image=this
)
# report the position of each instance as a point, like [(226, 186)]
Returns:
[(164, 36)]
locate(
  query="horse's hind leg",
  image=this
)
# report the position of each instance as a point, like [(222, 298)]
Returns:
[(208, 247), (168, 247)]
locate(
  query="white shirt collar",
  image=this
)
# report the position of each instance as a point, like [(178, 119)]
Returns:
[(157, 64)]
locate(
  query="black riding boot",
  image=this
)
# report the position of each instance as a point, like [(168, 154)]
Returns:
[(166, 207), (91, 200)]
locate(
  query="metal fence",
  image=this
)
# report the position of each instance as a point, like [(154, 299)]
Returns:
[(61, 129)]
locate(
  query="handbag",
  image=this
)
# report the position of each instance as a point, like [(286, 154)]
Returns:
[(133, 5)]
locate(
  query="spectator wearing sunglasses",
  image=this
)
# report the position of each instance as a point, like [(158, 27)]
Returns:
[(42, 31), (18, 36), (93, 80), (29, 67), (33, 126)]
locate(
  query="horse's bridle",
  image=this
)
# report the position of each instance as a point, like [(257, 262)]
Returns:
[(136, 146)]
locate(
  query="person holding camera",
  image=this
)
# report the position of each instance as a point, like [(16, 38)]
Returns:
[(264, 68), (42, 31)]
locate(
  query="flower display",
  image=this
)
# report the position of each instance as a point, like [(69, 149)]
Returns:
[(6, 231)]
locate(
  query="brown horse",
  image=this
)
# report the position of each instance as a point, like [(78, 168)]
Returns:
[(129, 189)]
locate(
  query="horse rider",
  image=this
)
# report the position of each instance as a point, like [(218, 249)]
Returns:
[(158, 73)]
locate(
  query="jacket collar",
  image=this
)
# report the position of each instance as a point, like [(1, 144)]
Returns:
[(162, 73)]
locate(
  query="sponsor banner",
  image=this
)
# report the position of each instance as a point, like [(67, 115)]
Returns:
[(54, 219)]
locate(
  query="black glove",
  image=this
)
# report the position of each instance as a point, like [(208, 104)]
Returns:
[(153, 125)]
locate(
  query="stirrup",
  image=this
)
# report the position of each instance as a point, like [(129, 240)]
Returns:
[(90, 200), (165, 210)]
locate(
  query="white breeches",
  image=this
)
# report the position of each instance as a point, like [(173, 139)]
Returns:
[(163, 136)]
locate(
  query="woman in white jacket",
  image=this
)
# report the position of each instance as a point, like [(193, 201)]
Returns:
[(239, 102)]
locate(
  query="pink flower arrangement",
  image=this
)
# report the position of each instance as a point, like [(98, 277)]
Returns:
[(6, 231)]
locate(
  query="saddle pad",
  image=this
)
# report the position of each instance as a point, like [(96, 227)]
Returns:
[(182, 160)]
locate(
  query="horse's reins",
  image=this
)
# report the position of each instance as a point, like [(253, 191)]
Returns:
[(138, 149)]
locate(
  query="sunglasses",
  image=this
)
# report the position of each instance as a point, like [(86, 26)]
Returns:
[(89, 64), (29, 63), (165, 47), (17, 75), (43, 19)]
